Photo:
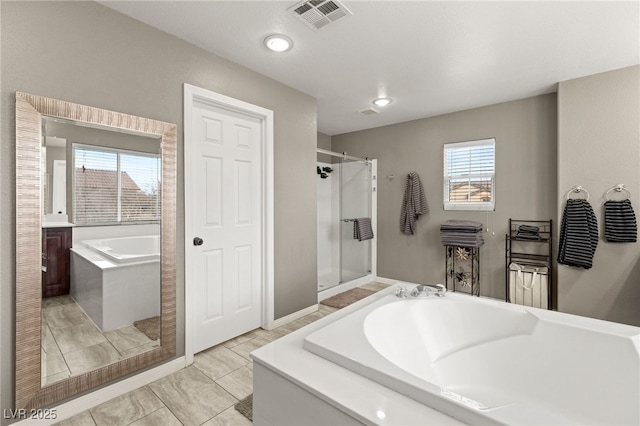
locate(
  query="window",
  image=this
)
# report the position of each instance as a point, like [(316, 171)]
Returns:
[(115, 186), (469, 175)]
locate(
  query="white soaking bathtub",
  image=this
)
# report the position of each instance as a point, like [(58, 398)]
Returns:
[(489, 362), (116, 281), (127, 249)]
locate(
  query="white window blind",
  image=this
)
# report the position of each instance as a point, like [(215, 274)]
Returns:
[(140, 185), (115, 186), (469, 175)]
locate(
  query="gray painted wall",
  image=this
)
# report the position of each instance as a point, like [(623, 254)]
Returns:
[(525, 133), (599, 147), (324, 142), (86, 53), (597, 143)]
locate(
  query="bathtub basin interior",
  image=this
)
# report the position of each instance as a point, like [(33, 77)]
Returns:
[(127, 249), (487, 361)]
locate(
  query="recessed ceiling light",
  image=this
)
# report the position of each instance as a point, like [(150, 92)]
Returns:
[(278, 43), (382, 102)]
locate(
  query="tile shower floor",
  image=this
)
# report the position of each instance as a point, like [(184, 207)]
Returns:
[(203, 393), (72, 344)]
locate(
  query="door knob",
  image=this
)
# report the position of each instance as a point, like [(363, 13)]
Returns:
[(197, 241)]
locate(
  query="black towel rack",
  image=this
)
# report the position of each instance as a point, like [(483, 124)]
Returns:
[(531, 252)]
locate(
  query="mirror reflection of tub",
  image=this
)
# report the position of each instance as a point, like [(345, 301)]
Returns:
[(116, 281), (127, 249), (107, 183)]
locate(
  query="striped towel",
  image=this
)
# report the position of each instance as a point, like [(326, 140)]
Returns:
[(414, 204), (620, 224), (578, 234), (362, 229)]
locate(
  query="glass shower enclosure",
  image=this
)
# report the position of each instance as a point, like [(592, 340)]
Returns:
[(346, 188)]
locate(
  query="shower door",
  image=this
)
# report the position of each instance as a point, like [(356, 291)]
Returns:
[(355, 202)]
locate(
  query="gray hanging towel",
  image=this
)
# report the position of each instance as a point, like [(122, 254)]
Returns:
[(362, 229), (414, 204), (620, 224), (578, 234)]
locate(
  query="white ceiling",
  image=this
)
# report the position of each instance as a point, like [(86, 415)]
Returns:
[(429, 57)]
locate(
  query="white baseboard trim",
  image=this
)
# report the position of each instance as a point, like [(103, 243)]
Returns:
[(97, 397), (292, 317), (389, 281)]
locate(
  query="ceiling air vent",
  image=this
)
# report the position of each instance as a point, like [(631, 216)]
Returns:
[(369, 111), (319, 13)]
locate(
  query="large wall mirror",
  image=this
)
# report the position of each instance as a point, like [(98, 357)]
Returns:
[(95, 247)]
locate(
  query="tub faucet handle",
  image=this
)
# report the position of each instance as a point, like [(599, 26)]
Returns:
[(441, 290), (401, 291)]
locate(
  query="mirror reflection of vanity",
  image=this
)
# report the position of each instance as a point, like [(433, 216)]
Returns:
[(95, 268), (56, 228)]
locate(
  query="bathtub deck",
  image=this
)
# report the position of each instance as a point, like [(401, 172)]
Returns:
[(334, 362), (325, 385)]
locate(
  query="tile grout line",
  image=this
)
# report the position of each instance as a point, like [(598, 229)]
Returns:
[(231, 372), (148, 414), (92, 418), (163, 403)]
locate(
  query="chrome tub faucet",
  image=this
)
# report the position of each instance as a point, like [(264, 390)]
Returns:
[(426, 290), (421, 290)]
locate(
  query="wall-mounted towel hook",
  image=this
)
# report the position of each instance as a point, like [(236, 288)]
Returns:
[(576, 190), (618, 188), (391, 177)]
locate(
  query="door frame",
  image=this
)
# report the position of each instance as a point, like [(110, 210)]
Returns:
[(191, 95)]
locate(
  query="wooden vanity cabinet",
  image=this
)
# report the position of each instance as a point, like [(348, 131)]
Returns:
[(56, 261)]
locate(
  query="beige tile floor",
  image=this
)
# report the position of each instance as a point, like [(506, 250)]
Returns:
[(72, 344), (203, 393)]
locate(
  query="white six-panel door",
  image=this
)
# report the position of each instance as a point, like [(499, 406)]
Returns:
[(225, 251)]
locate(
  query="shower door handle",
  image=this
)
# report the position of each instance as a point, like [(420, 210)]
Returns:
[(197, 241)]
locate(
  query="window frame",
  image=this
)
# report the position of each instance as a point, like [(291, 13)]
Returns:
[(118, 152), (449, 205)]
